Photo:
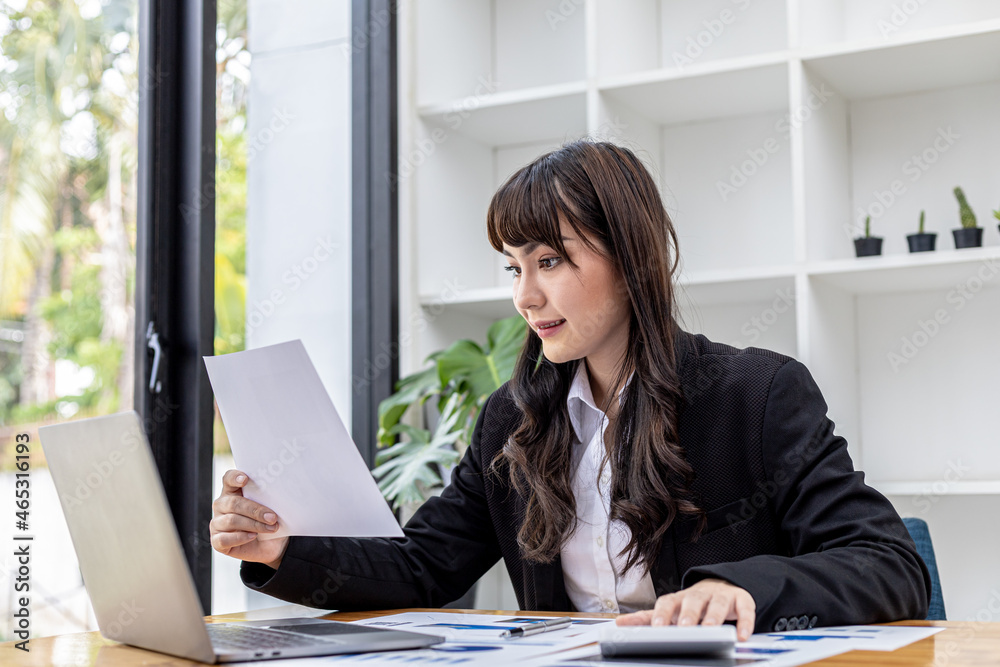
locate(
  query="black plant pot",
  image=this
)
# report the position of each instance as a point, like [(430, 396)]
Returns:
[(968, 238), (923, 242), (867, 246)]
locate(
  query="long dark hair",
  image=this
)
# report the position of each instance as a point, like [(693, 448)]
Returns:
[(606, 195)]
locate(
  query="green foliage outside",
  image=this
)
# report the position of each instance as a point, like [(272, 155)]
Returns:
[(69, 96)]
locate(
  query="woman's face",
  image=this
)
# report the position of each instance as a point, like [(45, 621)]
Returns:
[(592, 300)]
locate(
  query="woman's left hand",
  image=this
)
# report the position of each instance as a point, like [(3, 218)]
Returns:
[(708, 602)]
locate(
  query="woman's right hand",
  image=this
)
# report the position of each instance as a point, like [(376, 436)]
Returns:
[(237, 521)]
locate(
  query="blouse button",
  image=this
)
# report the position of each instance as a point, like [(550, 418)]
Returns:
[(600, 541)]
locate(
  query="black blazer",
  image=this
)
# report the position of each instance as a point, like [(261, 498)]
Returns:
[(789, 519)]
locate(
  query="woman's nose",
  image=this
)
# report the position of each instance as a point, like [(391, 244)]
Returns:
[(527, 293)]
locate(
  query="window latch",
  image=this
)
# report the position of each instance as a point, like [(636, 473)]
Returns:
[(153, 343)]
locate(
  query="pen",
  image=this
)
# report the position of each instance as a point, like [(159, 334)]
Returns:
[(536, 628)]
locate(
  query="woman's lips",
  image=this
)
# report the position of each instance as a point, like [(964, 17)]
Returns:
[(548, 332)]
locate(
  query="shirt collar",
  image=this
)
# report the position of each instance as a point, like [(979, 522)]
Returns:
[(580, 397)]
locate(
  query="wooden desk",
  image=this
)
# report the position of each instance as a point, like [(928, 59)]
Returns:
[(960, 645)]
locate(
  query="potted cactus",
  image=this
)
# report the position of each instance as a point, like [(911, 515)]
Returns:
[(867, 245), (921, 241), (969, 236)]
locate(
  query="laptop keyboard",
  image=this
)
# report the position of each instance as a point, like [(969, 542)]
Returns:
[(251, 638)]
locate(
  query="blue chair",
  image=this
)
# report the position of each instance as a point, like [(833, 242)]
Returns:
[(922, 538)]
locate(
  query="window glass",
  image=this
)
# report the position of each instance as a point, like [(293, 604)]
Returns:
[(69, 95)]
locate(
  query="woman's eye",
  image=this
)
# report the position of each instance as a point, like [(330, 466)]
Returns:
[(547, 263)]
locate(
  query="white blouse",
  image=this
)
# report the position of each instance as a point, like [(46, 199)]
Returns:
[(591, 566)]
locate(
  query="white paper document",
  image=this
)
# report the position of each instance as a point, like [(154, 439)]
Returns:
[(772, 649), (286, 435), (470, 639), (857, 637)]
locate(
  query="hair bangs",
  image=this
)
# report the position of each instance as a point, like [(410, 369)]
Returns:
[(528, 208)]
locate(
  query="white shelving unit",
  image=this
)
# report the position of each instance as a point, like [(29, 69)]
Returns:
[(773, 128)]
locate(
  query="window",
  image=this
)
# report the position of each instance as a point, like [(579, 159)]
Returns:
[(69, 92)]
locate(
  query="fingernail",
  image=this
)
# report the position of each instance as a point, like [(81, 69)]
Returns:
[(269, 517), (657, 621), (240, 479), (684, 621)]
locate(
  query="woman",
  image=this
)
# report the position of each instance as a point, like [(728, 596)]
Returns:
[(713, 489)]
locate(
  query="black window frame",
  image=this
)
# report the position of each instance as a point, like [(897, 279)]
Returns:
[(374, 217), (175, 262), (175, 246)]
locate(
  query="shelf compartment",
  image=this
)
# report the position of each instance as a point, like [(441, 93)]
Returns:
[(926, 383), (465, 45), (891, 157), (742, 308), (954, 58), (511, 118), (489, 302), (845, 24), (719, 90), (683, 34), (460, 156), (728, 286), (938, 270)]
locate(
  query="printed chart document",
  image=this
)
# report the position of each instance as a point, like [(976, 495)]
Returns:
[(285, 433), (470, 639), (771, 649)]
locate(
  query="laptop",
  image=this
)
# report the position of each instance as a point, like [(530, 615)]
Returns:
[(133, 564)]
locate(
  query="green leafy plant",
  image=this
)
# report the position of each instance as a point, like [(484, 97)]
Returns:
[(996, 214), (965, 211), (920, 230), (461, 379)]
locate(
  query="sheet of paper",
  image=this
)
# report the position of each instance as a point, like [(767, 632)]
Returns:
[(470, 639), (773, 649), (285, 433), (746, 654), (860, 637)]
